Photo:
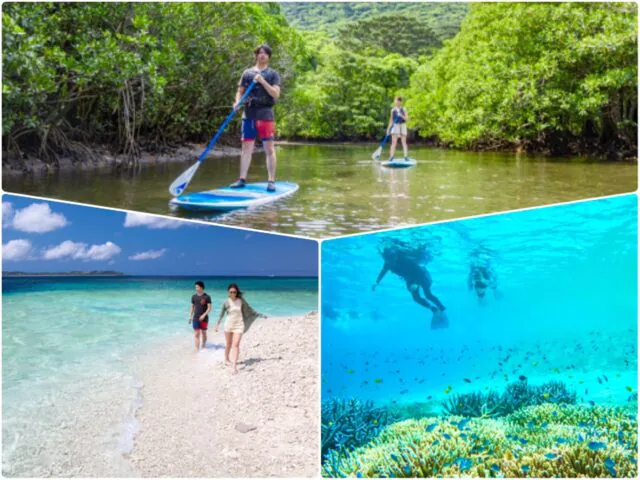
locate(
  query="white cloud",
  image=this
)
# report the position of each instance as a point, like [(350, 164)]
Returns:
[(7, 213), (65, 249), (38, 218), (102, 252), (141, 220), (16, 249), (148, 255), (81, 251)]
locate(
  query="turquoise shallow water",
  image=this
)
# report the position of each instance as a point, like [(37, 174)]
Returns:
[(69, 342), (567, 309)]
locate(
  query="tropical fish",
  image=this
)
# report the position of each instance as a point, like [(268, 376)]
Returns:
[(523, 441), (629, 389), (431, 428), (561, 440), (351, 371), (435, 442), (394, 457), (522, 378), (599, 380), (495, 467), (580, 438), (605, 378), (407, 469), (526, 468), (464, 463), (597, 446), (402, 392), (467, 380), (550, 456), (546, 395), (377, 380), (592, 403), (448, 390), (447, 436), (359, 475)]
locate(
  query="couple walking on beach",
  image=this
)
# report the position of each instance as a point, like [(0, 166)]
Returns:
[(239, 317)]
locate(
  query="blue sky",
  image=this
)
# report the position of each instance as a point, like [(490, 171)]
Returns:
[(48, 236)]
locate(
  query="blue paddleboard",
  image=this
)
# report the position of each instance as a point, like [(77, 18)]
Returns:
[(227, 198), (399, 163)]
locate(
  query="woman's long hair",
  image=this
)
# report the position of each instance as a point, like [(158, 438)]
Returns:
[(235, 285)]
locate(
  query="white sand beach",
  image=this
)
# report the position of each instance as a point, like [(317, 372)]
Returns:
[(197, 419)]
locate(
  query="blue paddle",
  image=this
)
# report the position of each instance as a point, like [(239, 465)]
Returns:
[(378, 152), (179, 185)]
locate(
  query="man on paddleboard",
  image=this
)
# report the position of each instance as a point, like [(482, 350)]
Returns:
[(258, 119)]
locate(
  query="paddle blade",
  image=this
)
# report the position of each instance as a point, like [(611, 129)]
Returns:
[(377, 153), (179, 185)]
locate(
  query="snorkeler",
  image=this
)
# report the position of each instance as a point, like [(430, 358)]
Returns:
[(482, 275), (416, 276)]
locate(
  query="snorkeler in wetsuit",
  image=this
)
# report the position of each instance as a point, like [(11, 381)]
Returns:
[(482, 275), (416, 276)]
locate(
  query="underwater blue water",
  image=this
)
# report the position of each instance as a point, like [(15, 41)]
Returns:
[(566, 308)]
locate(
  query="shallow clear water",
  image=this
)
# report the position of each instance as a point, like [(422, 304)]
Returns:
[(567, 309), (69, 340), (342, 191)]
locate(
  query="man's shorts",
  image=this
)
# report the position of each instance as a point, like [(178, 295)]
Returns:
[(199, 325), (399, 129), (265, 129)]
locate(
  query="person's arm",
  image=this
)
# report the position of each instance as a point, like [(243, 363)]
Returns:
[(250, 311), (404, 115), (222, 312), (240, 91), (381, 275), (191, 312), (204, 315), (390, 120), (273, 90)]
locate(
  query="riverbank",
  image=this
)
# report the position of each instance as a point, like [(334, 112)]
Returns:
[(199, 420), (103, 159)]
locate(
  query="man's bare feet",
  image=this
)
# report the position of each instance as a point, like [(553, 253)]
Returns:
[(227, 363), (235, 370)]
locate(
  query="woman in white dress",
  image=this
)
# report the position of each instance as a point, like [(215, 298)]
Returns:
[(240, 316)]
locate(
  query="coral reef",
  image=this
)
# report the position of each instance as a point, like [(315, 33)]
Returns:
[(349, 423), (548, 440), (516, 396)]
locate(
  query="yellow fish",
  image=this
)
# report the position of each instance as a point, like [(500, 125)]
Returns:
[(377, 380), (629, 389), (546, 395), (448, 390)]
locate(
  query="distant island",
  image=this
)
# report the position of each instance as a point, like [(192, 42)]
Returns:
[(93, 273)]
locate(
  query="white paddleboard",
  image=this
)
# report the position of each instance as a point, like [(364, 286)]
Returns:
[(227, 198), (400, 163)]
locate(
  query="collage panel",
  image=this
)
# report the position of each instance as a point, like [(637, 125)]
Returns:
[(141, 346), (320, 119), (497, 346)]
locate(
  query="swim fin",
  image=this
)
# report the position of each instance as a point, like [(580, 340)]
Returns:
[(439, 320)]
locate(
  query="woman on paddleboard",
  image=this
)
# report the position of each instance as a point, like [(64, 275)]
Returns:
[(240, 316), (398, 127)]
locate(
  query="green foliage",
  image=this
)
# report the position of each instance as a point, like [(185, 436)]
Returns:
[(130, 74), (388, 33), (576, 441), (533, 74), (347, 94), (443, 18)]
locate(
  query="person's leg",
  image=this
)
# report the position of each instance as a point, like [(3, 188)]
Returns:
[(228, 337), (394, 142), (245, 157), (426, 287), (270, 151), (414, 288), (235, 351), (203, 334), (196, 334), (405, 148)]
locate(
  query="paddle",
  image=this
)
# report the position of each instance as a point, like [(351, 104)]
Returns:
[(179, 185), (378, 152)]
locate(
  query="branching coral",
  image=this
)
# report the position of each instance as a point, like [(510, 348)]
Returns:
[(516, 395), (347, 424), (538, 441)]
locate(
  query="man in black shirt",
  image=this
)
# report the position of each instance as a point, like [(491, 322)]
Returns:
[(258, 118), (199, 314)]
